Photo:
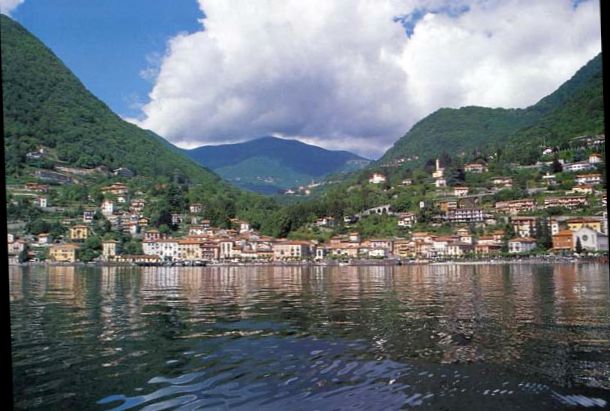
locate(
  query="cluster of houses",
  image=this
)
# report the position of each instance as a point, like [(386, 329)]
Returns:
[(205, 243), (463, 211)]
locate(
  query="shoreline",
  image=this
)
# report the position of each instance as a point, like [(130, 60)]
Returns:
[(353, 263)]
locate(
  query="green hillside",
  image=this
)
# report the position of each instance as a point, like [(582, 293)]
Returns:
[(574, 108), (46, 105)]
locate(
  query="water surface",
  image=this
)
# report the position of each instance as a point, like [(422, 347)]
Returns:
[(425, 337)]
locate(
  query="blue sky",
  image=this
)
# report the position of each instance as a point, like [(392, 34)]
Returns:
[(107, 43), (343, 74)]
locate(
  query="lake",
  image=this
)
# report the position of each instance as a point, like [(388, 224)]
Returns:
[(523, 336)]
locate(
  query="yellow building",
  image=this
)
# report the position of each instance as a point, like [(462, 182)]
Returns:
[(63, 253), (575, 224), (79, 232), (109, 249)]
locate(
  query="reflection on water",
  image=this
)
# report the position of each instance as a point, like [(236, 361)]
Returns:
[(458, 337)]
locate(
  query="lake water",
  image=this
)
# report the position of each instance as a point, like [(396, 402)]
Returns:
[(292, 338)]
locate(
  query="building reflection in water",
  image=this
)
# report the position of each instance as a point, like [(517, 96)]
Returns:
[(536, 317)]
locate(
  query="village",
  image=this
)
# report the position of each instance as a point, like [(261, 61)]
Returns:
[(460, 224)]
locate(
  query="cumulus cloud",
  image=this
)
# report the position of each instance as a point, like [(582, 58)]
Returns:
[(357, 74), (7, 6)]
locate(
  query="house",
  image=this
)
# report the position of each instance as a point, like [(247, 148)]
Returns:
[(118, 189), (41, 202), (575, 224), (377, 178), (475, 168), (440, 182), (505, 182), (447, 204), (107, 207), (109, 249), (44, 238), (458, 249), (521, 245), (460, 191), (325, 222), (196, 208), (137, 205), (593, 178), (515, 206), (166, 249), (406, 219), (63, 253), (290, 250), (595, 158), (88, 216), (562, 241), (465, 215), (123, 172), (15, 246), (177, 218), (39, 188), (590, 240), (580, 166), (567, 201), (79, 232), (407, 182), (583, 189), (553, 226), (464, 235), (524, 226)]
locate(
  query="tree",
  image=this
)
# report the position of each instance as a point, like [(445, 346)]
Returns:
[(579, 248), (24, 254), (556, 166)]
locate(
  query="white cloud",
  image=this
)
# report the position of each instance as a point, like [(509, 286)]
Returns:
[(7, 6), (342, 74)]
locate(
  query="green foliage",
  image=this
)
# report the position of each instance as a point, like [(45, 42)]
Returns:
[(576, 108)]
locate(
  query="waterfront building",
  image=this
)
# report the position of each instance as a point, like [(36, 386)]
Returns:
[(109, 249), (521, 245), (590, 239), (562, 241), (63, 253), (290, 250)]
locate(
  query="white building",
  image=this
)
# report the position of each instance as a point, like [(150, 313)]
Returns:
[(406, 219), (590, 239), (595, 158), (594, 178), (377, 178), (107, 207), (521, 245), (580, 166)]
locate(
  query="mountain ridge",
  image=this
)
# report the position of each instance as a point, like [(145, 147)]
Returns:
[(274, 163)]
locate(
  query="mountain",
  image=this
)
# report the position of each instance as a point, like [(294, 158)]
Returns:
[(46, 105), (575, 108), (269, 164)]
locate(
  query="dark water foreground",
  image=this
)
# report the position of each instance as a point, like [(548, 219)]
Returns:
[(427, 337)]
